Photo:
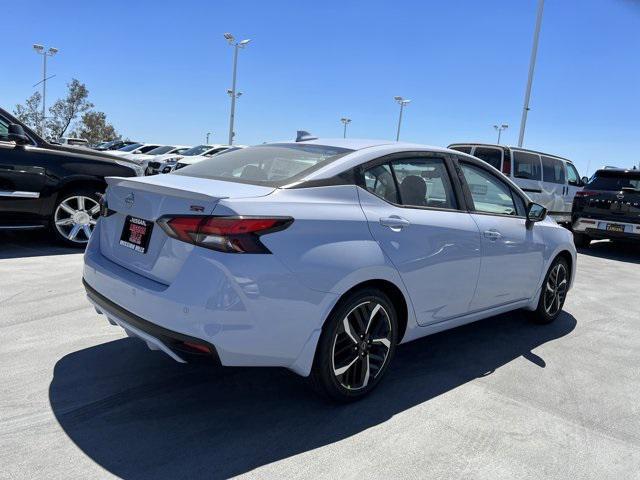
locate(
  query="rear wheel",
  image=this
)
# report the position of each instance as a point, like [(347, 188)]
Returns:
[(75, 216), (356, 346), (553, 294), (581, 240)]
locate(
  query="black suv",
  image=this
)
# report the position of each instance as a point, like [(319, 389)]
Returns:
[(608, 207), (51, 186)]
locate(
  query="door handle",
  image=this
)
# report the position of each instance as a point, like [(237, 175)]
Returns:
[(492, 235), (394, 222)]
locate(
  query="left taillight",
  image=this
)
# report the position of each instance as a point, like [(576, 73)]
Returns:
[(224, 234)]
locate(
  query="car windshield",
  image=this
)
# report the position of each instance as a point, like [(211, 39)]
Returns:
[(130, 148), (160, 150), (615, 181), (197, 150), (272, 165)]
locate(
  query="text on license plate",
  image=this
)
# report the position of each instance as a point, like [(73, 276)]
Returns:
[(615, 227)]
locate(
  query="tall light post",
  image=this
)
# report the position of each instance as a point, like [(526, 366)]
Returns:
[(500, 128), (45, 52), (402, 101), (345, 121), (232, 92), (532, 66), (207, 142)]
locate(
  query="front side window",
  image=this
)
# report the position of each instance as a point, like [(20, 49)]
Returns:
[(573, 178), (489, 194), (424, 182), (526, 165), (4, 130), (552, 170), (379, 181), (274, 165), (492, 156)]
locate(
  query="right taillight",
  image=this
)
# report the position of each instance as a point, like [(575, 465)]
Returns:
[(225, 234)]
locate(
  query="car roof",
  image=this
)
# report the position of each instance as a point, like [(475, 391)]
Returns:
[(361, 143), (521, 149)]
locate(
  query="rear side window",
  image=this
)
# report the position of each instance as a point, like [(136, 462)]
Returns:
[(492, 156), (379, 181), (489, 193), (424, 182), (552, 170), (462, 149), (526, 165)]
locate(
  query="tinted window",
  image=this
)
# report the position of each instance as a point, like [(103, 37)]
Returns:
[(4, 130), (130, 148), (379, 181), (489, 194), (197, 150), (526, 165), (462, 149), (275, 164), (160, 150), (424, 183), (149, 148), (573, 177), (615, 181), (492, 156), (552, 170)]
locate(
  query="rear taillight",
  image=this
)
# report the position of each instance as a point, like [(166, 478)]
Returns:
[(225, 234), (585, 193)]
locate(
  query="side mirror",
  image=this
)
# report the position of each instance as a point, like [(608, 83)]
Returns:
[(584, 180), (16, 134), (536, 212)]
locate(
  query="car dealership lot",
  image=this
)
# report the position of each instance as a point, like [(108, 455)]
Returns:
[(501, 398)]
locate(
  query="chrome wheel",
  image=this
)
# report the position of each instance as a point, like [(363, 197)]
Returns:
[(361, 345), (75, 218), (555, 289)]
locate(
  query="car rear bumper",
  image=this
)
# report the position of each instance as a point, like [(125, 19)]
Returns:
[(249, 309), (596, 228)]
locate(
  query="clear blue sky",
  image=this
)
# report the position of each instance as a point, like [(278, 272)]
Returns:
[(160, 70)]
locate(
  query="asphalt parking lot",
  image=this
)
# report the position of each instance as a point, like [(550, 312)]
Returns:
[(497, 399)]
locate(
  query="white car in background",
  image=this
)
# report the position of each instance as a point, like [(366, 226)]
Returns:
[(134, 148), (185, 162), (143, 159), (168, 163)]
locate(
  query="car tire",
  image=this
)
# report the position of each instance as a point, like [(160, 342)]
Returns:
[(553, 293), (581, 240), (356, 346), (74, 216)]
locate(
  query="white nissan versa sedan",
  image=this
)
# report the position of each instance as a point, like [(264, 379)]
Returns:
[(321, 256)]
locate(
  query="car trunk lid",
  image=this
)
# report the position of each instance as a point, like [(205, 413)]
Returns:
[(149, 198)]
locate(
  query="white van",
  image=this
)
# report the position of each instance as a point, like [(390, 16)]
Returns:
[(547, 179)]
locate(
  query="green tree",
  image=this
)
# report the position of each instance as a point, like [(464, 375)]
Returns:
[(94, 128), (31, 112), (66, 110)]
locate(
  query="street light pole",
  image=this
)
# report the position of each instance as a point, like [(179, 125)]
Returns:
[(532, 66), (345, 121), (40, 49), (236, 46), (207, 142), (402, 101), (500, 128)]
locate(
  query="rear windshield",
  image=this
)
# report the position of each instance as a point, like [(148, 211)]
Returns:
[(614, 181), (130, 148), (273, 165), (160, 150)]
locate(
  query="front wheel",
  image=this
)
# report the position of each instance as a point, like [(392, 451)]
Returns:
[(553, 294), (356, 346), (75, 216)]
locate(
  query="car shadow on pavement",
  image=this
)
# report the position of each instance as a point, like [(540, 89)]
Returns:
[(32, 243), (620, 251), (141, 415)]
